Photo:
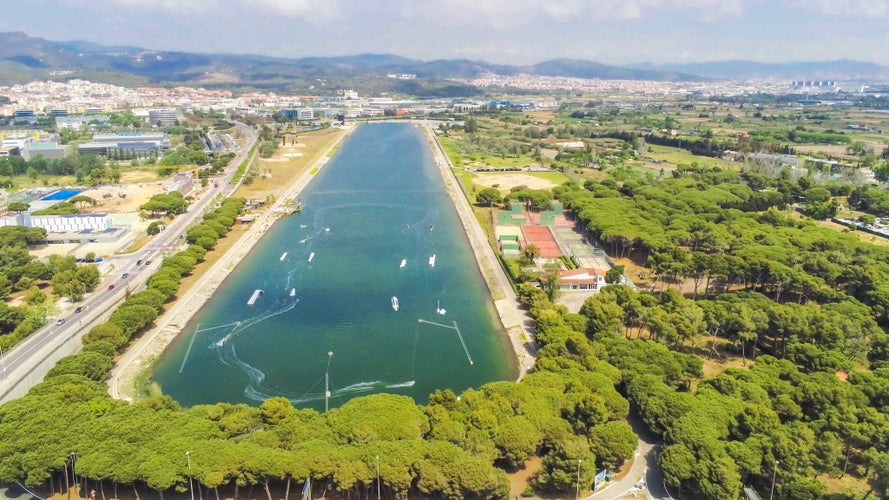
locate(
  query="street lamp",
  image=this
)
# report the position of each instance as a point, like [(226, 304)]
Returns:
[(378, 477), (190, 487), (73, 457), (775, 470), (2, 364), (577, 490)]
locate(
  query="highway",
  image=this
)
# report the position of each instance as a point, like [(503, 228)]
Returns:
[(27, 363)]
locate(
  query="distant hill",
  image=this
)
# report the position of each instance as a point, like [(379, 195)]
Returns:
[(24, 58), (842, 69), (588, 69)]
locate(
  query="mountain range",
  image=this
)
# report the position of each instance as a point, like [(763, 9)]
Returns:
[(24, 58)]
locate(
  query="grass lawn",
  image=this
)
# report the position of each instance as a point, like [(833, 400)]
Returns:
[(451, 149), (677, 156)]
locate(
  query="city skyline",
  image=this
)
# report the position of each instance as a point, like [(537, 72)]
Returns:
[(618, 32)]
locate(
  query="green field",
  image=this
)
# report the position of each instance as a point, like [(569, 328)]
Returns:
[(676, 156)]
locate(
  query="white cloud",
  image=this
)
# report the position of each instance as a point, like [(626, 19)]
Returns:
[(866, 8), (309, 9), (512, 13)]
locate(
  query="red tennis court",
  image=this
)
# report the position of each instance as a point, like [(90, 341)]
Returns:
[(540, 237)]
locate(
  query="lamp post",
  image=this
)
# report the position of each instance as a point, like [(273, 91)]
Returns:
[(2, 364), (774, 471), (327, 381), (378, 477), (73, 457), (190, 487), (577, 489)]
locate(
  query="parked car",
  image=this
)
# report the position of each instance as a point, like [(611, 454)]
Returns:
[(111, 286), (60, 322)]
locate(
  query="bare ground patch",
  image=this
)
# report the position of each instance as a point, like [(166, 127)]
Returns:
[(509, 181)]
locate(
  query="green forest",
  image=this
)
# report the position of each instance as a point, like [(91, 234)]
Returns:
[(741, 271)]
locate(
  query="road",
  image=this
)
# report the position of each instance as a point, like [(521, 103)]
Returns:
[(167, 327), (644, 477), (27, 363)]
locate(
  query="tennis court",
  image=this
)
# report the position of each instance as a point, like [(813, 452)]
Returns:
[(540, 237)]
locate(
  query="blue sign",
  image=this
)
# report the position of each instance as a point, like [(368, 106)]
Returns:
[(600, 476)]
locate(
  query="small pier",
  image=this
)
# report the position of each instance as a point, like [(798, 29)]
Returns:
[(255, 296)]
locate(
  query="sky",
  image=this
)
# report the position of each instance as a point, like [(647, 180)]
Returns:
[(498, 31)]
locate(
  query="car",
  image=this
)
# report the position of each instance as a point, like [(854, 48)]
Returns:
[(148, 262), (80, 309), (60, 322), (125, 275), (139, 262), (111, 286)]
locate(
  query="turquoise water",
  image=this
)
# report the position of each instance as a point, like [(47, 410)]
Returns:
[(62, 194), (380, 200)]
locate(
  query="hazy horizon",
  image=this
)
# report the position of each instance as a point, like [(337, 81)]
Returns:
[(517, 32)]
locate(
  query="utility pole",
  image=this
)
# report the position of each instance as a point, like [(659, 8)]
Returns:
[(327, 381), (378, 477), (190, 486), (774, 471), (577, 490)]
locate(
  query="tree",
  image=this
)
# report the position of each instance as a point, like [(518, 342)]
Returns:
[(18, 206), (81, 201), (530, 252), (614, 276), (612, 443), (550, 281), (488, 197), (677, 464)]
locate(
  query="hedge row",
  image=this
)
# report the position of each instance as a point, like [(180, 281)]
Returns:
[(103, 341)]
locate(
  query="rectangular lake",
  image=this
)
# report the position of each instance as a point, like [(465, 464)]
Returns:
[(380, 201)]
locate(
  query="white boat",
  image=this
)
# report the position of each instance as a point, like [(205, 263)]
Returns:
[(395, 302), (311, 256), (283, 256), (292, 292), (302, 226), (403, 263), (432, 260), (326, 229), (438, 308)]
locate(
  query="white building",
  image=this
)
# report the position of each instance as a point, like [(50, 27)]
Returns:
[(162, 117)]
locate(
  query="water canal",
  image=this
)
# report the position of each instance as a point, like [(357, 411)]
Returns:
[(373, 218)]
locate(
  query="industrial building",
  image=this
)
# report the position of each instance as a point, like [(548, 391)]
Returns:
[(70, 228), (127, 145), (163, 117)]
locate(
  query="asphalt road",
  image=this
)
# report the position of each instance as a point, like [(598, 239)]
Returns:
[(23, 366), (644, 477)]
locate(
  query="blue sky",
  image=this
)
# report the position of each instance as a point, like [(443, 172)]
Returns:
[(499, 31)]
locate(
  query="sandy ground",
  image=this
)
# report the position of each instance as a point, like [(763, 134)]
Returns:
[(121, 199), (507, 181)]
